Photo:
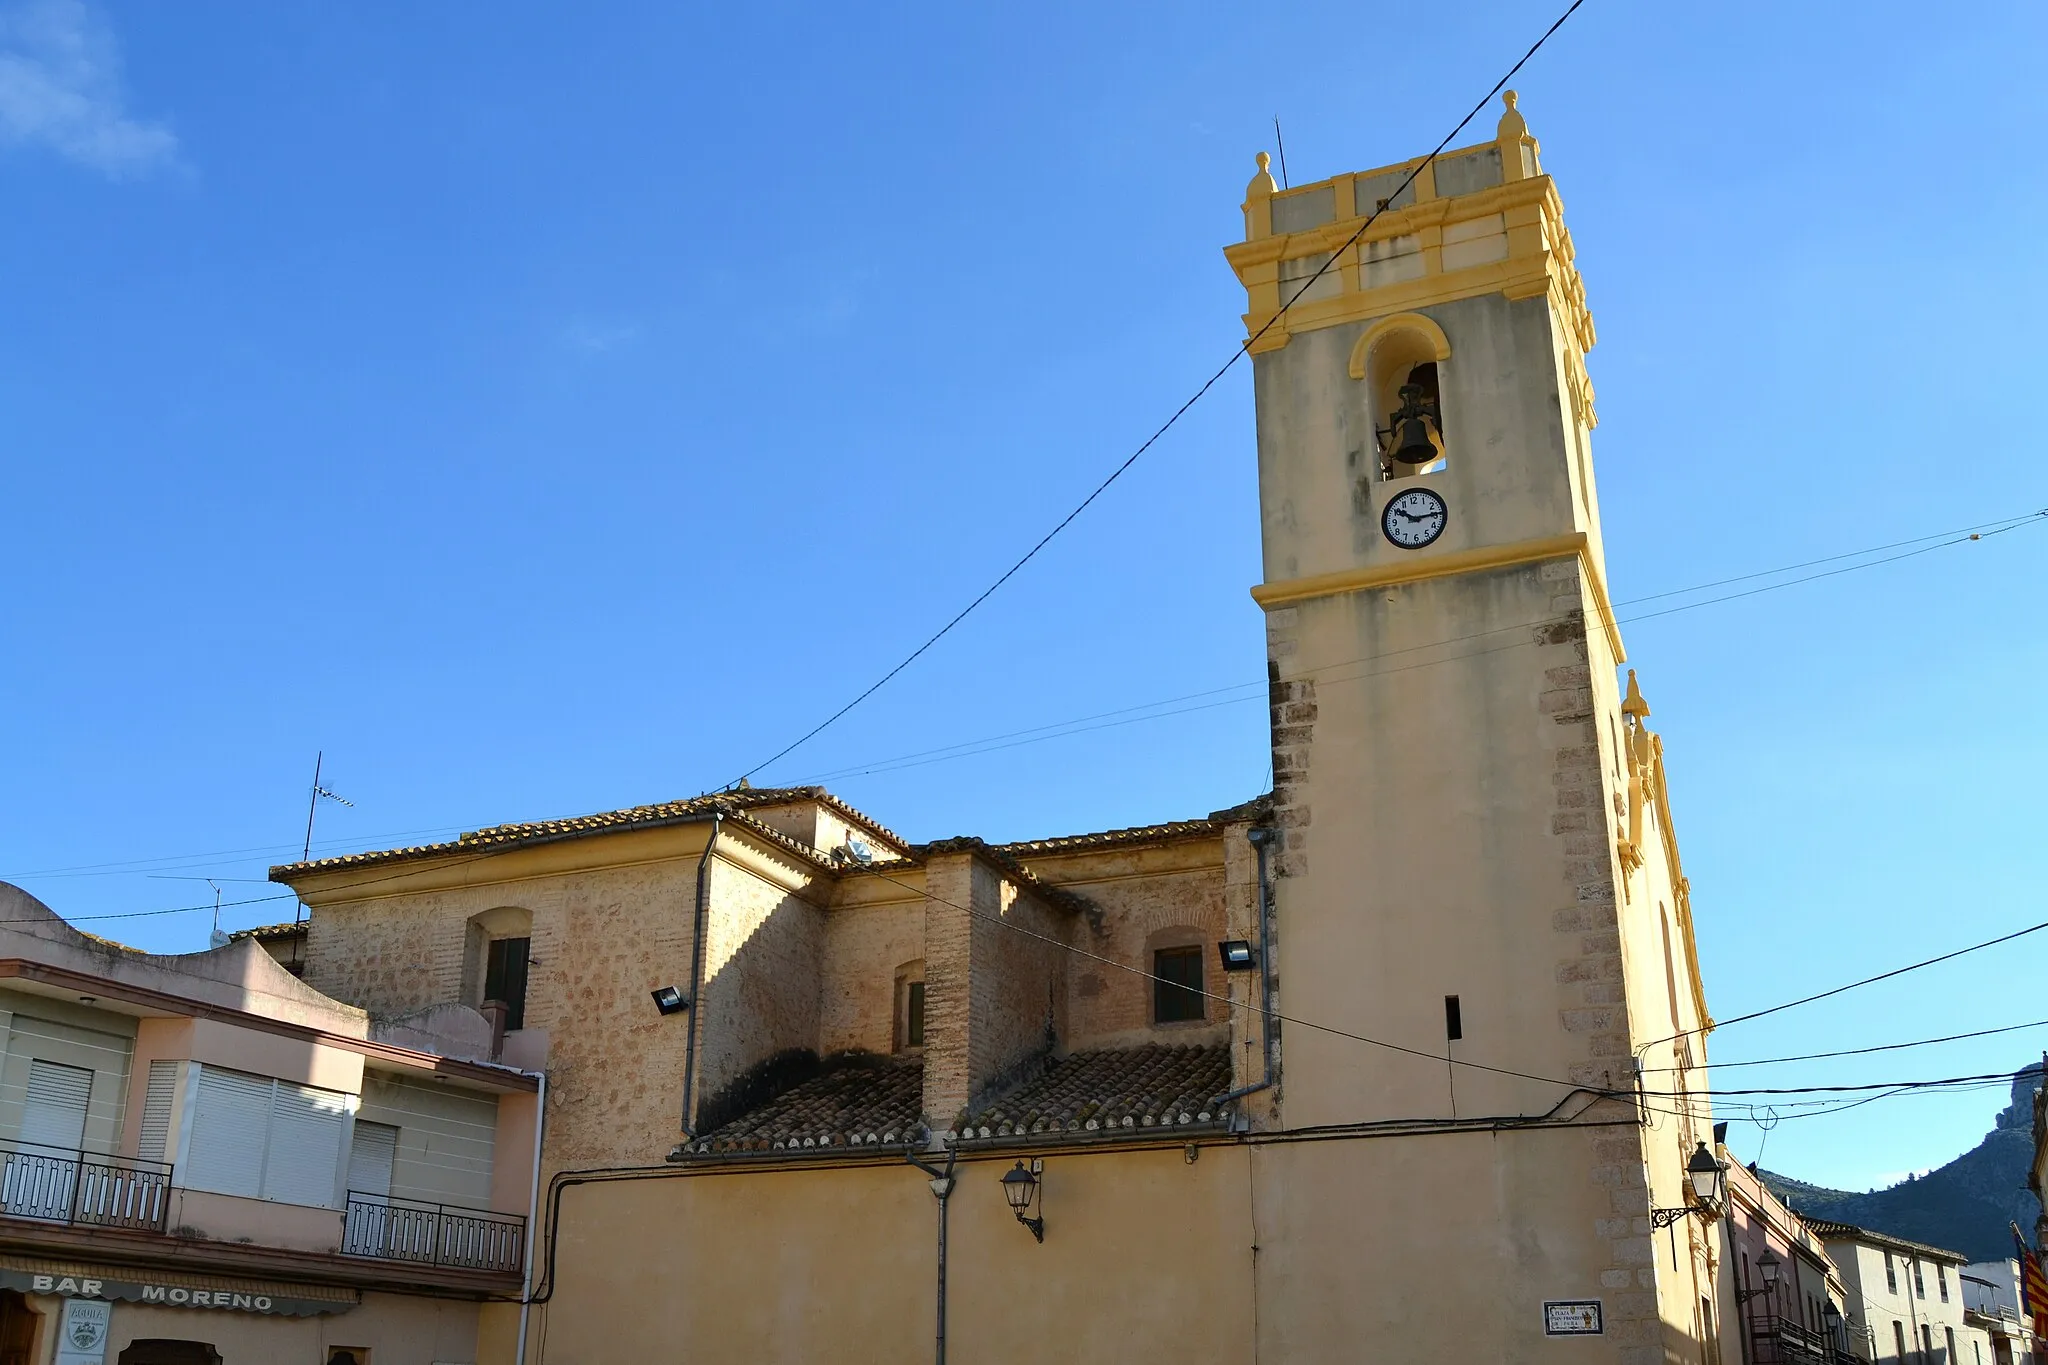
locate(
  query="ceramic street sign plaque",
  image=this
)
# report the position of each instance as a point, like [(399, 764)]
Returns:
[(1571, 1318)]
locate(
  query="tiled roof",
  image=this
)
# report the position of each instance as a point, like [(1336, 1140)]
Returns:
[(497, 837), (265, 933), (1826, 1231), (1170, 830), (1115, 1091), (1121, 1092), (873, 1103)]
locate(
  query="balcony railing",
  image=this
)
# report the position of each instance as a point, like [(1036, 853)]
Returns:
[(432, 1234), (57, 1185)]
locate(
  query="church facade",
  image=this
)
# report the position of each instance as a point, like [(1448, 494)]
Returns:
[(1395, 1061)]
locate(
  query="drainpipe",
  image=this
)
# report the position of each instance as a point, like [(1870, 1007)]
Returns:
[(540, 1123), (942, 1190), (697, 970), (1261, 840)]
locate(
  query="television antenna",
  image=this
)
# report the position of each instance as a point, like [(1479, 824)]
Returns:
[(313, 803), (216, 939)]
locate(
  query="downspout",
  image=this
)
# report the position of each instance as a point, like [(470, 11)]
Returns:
[(540, 1123), (697, 970), (942, 1190), (1261, 841)]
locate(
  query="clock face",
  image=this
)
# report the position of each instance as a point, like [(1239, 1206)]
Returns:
[(1414, 519)]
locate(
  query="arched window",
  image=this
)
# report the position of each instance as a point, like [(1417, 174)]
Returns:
[(1401, 360), (494, 959)]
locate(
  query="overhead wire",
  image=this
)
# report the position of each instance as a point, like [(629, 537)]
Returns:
[(1707, 1096), (993, 743), (1243, 349), (1108, 719), (1852, 1052)]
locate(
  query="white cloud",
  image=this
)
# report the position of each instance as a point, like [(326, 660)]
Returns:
[(60, 88)]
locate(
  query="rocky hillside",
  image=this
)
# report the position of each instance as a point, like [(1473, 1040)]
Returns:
[(1963, 1206)]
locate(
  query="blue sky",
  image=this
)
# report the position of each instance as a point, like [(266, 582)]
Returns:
[(548, 410)]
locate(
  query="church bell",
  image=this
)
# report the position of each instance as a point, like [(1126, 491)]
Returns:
[(1412, 437)]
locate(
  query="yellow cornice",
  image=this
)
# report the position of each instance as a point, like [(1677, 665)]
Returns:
[(1401, 222), (1573, 543)]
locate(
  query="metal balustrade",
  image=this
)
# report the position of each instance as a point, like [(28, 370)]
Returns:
[(57, 1185), (432, 1234)]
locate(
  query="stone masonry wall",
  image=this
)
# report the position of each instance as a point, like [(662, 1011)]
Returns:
[(761, 971), (601, 941), (949, 881), (1019, 1003), (1109, 1007), (993, 997), (1292, 707), (863, 947), (1592, 995)]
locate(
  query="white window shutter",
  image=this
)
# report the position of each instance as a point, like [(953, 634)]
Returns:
[(370, 1159), (229, 1128), (54, 1115), (156, 1111), (305, 1145)]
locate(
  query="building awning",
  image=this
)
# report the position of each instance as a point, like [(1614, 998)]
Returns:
[(175, 1289)]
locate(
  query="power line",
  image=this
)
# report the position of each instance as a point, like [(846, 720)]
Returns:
[(1081, 725), (994, 743), (1703, 1096), (1855, 1051), (1243, 349), (258, 900), (1853, 985)]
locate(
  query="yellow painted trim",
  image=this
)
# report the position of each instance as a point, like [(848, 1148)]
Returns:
[(1400, 322), (1573, 543)]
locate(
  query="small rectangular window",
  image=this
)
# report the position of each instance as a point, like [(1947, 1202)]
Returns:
[(505, 978), (1941, 1278), (1454, 1019), (913, 1014), (1177, 991), (1891, 1275), (1919, 1282)]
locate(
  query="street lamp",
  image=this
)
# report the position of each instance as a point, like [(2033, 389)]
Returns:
[(1767, 1266), (1704, 1176), (1020, 1188)]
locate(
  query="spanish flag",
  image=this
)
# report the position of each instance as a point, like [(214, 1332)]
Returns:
[(2033, 1282)]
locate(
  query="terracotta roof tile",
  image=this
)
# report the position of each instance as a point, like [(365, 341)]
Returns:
[(1831, 1231), (265, 933), (497, 837), (870, 1103), (1115, 1091)]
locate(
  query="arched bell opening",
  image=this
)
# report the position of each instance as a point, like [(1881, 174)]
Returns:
[(1400, 361)]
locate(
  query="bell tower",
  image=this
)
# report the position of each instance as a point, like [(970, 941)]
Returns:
[(1473, 862)]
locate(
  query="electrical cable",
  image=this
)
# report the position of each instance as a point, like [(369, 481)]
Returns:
[(1080, 725), (281, 896), (991, 743), (1851, 1052), (1853, 985), (1243, 349)]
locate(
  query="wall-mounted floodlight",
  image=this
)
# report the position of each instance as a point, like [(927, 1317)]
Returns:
[(669, 1000), (1237, 955)]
